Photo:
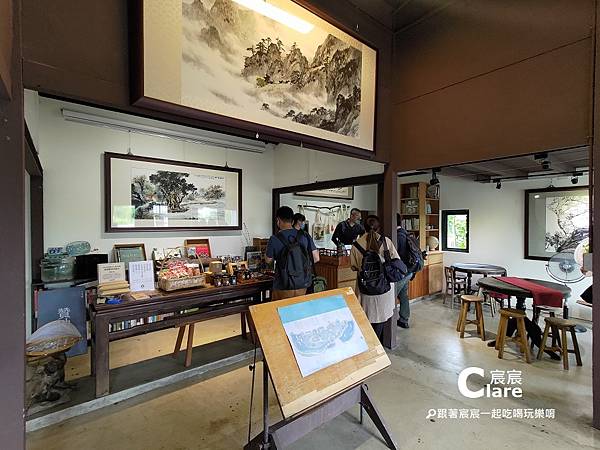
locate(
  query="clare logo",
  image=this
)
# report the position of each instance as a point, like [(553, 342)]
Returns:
[(503, 384)]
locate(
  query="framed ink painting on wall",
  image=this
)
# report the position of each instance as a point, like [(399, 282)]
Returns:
[(556, 220), (272, 68), (151, 194)]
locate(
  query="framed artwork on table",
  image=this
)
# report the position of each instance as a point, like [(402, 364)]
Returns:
[(273, 68), (199, 247), (343, 193), (151, 194), (127, 253), (556, 220), (254, 260)]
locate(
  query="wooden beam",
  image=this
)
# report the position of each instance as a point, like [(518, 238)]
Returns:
[(6, 45), (12, 242)]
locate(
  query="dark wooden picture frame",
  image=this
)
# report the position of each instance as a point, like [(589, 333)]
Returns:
[(108, 157), (454, 212), (118, 247), (528, 193), (314, 193), (235, 126)]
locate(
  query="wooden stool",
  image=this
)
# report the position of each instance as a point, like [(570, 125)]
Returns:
[(190, 343), (521, 338), (564, 325), (466, 301)]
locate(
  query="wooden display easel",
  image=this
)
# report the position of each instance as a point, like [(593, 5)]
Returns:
[(309, 402), (288, 431)]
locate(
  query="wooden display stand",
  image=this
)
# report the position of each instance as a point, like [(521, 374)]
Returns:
[(335, 269), (308, 402)]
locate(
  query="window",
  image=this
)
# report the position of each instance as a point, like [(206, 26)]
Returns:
[(455, 230)]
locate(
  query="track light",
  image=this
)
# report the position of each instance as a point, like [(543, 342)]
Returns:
[(498, 183), (546, 164), (574, 179), (434, 179)]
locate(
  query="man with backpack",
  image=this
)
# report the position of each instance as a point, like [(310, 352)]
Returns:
[(411, 254), (291, 249)]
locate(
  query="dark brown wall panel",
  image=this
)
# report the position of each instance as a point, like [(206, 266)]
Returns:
[(470, 38), (79, 50), (541, 103), (12, 243), (6, 44)]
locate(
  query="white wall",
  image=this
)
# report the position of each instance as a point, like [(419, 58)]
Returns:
[(496, 227), (365, 199), (32, 110), (71, 155), (295, 165)]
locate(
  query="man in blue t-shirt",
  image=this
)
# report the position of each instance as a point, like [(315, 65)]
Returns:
[(275, 247)]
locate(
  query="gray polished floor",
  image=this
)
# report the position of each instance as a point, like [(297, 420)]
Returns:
[(425, 367)]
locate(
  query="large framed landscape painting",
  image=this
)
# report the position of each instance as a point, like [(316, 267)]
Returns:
[(268, 67), (150, 194), (556, 220)]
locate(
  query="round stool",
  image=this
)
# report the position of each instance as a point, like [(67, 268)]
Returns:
[(556, 324), (521, 338), (466, 301)]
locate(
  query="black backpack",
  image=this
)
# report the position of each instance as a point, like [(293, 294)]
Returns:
[(414, 256), (395, 269), (371, 277), (294, 268)]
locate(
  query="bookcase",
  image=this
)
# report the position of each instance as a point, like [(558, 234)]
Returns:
[(420, 214), (420, 211)]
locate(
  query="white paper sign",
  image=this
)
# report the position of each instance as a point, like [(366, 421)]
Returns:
[(321, 332), (141, 276), (111, 272)]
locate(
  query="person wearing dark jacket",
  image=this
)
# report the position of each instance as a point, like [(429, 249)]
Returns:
[(349, 230), (402, 286)]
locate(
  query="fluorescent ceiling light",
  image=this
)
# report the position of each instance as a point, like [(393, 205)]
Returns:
[(193, 136), (277, 14)]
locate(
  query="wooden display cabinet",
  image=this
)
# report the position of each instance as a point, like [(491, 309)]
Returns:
[(335, 269), (430, 280), (420, 214)]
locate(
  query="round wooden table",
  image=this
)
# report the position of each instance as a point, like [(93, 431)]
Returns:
[(494, 285), (477, 269)]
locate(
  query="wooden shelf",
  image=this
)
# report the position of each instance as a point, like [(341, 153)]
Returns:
[(417, 193)]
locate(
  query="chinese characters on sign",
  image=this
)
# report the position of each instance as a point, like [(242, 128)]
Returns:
[(496, 413), (502, 384)]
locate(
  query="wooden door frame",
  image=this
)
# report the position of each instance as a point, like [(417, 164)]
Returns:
[(377, 179)]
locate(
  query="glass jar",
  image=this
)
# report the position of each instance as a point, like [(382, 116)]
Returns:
[(57, 267)]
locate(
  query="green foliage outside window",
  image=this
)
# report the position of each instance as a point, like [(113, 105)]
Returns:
[(457, 232)]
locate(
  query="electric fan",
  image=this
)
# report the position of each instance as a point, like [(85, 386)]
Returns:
[(563, 268)]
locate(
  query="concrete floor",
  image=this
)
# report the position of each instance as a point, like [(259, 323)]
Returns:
[(213, 414)]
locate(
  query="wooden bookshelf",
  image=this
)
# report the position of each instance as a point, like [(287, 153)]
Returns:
[(420, 213), (421, 217)]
